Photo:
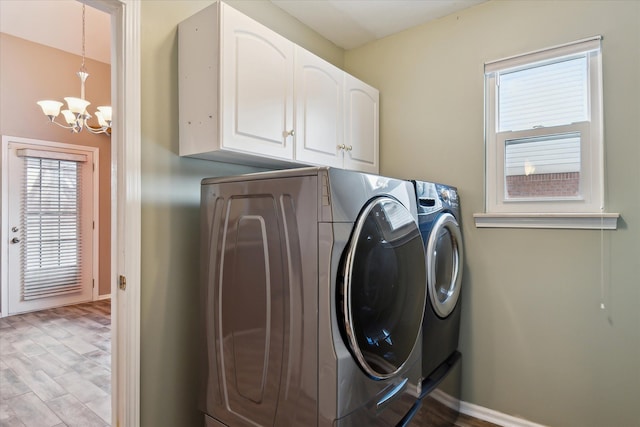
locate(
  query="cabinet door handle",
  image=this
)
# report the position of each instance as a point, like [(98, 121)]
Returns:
[(291, 132), (342, 147), (349, 148)]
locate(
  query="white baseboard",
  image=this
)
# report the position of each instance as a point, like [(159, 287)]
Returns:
[(481, 412), (494, 417), (445, 399)]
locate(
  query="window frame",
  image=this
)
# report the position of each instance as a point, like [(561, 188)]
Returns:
[(591, 199)]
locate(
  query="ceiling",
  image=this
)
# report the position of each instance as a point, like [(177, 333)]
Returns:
[(58, 24), (346, 23), (353, 23)]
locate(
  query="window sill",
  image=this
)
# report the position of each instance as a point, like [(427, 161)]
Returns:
[(588, 221)]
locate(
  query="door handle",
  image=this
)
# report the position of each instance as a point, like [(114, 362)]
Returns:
[(15, 240), (389, 395)]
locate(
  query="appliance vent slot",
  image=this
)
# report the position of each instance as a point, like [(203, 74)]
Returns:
[(427, 202)]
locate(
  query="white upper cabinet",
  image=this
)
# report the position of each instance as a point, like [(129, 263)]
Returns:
[(248, 95), (361, 125), (319, 110), (257, 87), (235, 88)]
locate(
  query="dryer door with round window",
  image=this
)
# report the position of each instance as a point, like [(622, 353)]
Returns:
[(383, 292), (444, 264)]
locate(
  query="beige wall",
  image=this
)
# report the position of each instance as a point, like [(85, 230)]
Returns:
[(535, 342), (170, 211), (30, 72)]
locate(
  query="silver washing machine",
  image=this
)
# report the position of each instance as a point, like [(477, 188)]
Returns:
[(313, 298), (439, 221)]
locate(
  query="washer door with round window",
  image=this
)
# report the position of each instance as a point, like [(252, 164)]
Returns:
[(444, 264), (383, 292)]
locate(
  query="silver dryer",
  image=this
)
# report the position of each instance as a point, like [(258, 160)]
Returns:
[(313, 297)]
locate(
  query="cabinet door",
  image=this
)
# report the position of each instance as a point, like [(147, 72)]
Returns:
[(361, 126), (319, 110), (256, 87)]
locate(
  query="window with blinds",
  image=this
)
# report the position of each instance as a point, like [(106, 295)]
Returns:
[(52, 243), (544, 130), (549, 94)]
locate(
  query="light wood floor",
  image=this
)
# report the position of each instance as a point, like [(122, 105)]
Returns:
[(55, 367)]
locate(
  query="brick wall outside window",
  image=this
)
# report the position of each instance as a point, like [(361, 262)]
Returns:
[(566, 184)]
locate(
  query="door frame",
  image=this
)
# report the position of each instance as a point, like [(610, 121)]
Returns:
[(4, 230), (125, 208)]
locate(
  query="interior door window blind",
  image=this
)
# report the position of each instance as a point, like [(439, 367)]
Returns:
[(52, 244)]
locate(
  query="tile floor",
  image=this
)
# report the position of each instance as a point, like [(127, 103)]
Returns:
[(55, 367)]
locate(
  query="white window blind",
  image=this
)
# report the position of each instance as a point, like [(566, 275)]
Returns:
[(52, 244), (543, 155), (545, 95)]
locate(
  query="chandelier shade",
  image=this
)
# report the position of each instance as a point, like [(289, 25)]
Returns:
[(77, 105), (76, 115), (50, 109)]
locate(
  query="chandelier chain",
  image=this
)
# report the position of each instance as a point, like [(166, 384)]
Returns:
[(83, 21)]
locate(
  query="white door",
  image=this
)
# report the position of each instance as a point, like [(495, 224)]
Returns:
[(319, 113), (361, 128), (50, 227), (257, 87)]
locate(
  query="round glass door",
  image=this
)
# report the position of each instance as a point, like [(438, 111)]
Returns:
[(444, 264), (383, 290)]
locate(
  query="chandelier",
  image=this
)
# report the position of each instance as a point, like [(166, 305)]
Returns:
[(76, 114)]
